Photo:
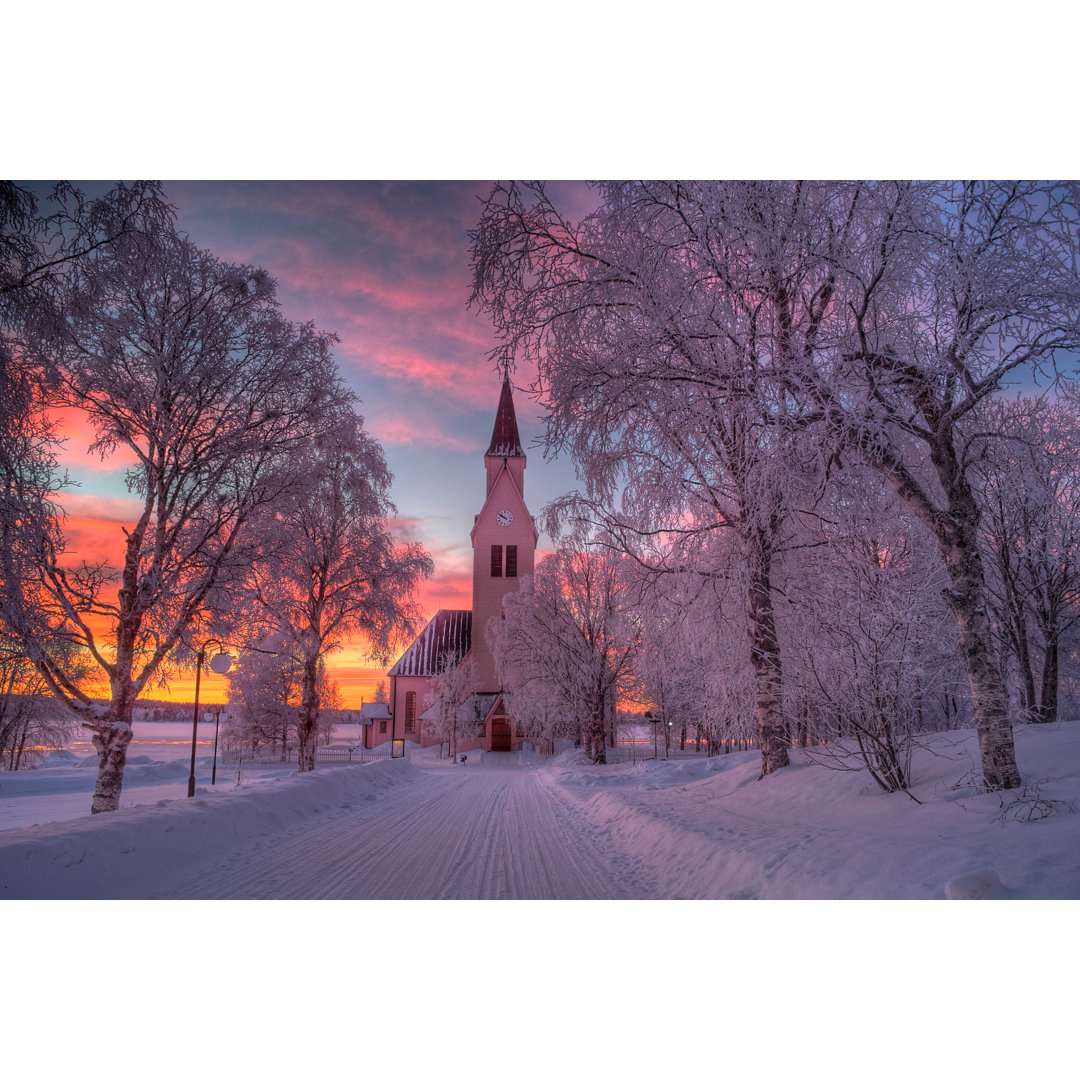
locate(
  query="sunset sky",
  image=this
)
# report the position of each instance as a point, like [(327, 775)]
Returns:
[(386, 267)]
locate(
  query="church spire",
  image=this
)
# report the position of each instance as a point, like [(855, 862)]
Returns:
[(505, 441)]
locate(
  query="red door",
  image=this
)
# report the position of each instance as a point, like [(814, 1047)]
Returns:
[(500, 733)]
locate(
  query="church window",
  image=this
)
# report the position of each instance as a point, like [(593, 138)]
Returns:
[(511, 560), (496, 560), (382, 727), (410, 712)]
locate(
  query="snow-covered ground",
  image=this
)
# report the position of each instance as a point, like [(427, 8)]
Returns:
[(501, 826), (539, 990), (158, 765)]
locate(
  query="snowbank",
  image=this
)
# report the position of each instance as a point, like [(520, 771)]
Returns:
[(710, 829)]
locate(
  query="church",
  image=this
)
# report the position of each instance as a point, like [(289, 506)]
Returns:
[(504, 538)]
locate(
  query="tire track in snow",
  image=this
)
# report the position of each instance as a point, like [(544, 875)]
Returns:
[(466, 834)]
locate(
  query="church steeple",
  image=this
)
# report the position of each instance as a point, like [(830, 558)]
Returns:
[(504, 453), (505, 441), (503, 537)]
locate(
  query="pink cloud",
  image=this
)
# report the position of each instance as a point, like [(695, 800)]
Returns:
[(116, 509), (74, 427), (304, 266), (403, 429), (93, 541), (462, 381)]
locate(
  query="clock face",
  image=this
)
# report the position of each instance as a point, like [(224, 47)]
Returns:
[(504, 517)]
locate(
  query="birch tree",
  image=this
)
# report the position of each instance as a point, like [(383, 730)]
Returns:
[(870, 638), (265, 694), (31, 722), (682, 329), (37, 252), (449, 690), (948, 289), (662, 327), (1028, 483), (185, 365), (568, 635), (691, 669), (329, 567)]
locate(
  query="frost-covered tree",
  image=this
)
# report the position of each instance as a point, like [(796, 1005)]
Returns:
[(27, 462), (184, 365), (265, 694), (693, 671), (870, 640), (1028, 483), (567, 638), (32, 721), (448, 691), (37, 253), (662, 328), (948, 288), (329, 567), (686, 333)]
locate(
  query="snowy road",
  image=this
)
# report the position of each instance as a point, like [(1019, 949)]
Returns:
[(469, 833), (562, 828)]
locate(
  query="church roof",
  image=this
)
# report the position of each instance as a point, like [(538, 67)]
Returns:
[(445, 640), (505, 441), (374, 710)]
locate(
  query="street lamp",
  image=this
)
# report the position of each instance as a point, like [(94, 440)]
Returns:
[(217, 722), (220, 663)]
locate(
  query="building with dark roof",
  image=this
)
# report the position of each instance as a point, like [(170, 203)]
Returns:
[(504, 538)]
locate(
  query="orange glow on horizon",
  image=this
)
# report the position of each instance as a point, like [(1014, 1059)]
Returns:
[(350, 666)]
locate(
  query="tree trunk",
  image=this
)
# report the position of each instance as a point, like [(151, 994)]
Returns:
[(956, 532), (114, 735), (967, 597), (597, 741), (309, 716), (111, 743), (1048, 700), (1023, 661), (765, 659), (1014, 619)]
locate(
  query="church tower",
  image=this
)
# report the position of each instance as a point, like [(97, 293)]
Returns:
[(504, 536)]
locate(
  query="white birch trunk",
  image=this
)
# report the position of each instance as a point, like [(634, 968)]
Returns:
[(768, 675)]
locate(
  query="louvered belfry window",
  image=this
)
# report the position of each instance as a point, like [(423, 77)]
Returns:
[(511, 560), (496, 560)]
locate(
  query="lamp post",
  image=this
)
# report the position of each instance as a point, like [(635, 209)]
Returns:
[(219, 663), (217, 721)]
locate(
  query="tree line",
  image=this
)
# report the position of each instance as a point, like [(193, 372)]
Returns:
[(807, 498), (261, 501)]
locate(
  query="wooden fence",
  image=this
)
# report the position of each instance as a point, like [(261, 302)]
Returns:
[(344, 755)]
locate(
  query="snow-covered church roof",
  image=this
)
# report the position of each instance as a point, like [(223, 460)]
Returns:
[(445, 640), (374, 710)]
